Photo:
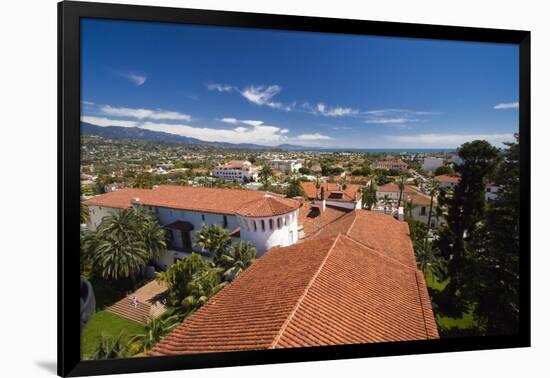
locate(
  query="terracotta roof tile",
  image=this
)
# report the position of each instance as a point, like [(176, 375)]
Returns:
[(349, 193), (313, 218), (326, 291), (454, 179), (268, 206), (119, 199)]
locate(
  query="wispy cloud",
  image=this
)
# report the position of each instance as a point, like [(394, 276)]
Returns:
[(262, 96), (137, 78), (327, 111), (216, 87), (104, 122), (448, 140), (140, 114), (508, 105), (249, 122), (311, 137), (396, 117)]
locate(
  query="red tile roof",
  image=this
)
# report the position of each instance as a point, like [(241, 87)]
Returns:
[(348, 194), (120, 199), (268, 206), (394, 188), (210, 200), (380, 232), (313, 218), (328, 291), (448, 178)]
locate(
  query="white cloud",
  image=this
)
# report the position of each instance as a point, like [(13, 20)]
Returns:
[(136, 78), (262, 95), (145, 113), (264, 134), (509, 105), (315, 136), (284, 131), (215, 87), (385, 121), (448, 140), (337, 111), (100, 121), (235, 121)]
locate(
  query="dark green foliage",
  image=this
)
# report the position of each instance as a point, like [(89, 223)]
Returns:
[(123, 244), (444, 170)]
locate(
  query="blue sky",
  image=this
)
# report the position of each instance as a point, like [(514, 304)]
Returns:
[(272, 87)]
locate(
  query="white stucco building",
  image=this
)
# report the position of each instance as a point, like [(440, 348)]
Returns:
[(432, 163), (263, 219), (236, 170), (285, 165)]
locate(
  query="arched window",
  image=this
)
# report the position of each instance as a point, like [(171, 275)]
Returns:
[(279, 223), (255, 227), (271, 224), (286, 220), (262, 223)]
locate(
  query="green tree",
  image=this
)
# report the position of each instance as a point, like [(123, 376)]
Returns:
[(369, 194), (84, 213), (433, 192), (155, 330), (295, 189), (142, 181), (466, 208), (444, 170), (214, 239), (123, 244), (202, 287), (494, 261), (428, 258), (239, 257), (401, 185), (111, 347), (179, 275), (264, 176)]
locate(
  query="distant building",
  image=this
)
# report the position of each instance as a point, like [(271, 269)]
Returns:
[(236, 170), (285, 165), (334, 194), (432, 163), (447, 181), (398, 165), (316, 168)]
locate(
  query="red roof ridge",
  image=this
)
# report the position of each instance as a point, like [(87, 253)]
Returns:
[(376, 251), (301, 298)]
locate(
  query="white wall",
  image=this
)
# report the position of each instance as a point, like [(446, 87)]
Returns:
[(265, 239), (97, 213)]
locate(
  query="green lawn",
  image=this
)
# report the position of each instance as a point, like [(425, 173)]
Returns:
[(102, 321), (449, 325)]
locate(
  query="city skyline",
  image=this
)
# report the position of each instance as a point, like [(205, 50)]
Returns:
[(314, 89)]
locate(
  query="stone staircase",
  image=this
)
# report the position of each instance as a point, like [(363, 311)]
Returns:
[(127, 310)]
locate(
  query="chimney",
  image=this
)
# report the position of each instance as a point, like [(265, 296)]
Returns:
[(323, 205), (322, 193), (135, 201)]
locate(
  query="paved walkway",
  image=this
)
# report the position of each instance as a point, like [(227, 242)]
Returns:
[(144, 303)]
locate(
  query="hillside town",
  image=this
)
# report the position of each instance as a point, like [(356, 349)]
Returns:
[(265, 220)]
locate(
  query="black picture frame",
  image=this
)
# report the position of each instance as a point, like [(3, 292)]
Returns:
[(69, 14)]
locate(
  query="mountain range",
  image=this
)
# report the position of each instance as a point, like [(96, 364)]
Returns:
[(117, 132)]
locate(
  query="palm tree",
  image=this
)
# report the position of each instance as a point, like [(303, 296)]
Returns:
[(84, 213), (434, 189), (428, 259), (239, 257), (123, 244), (202, 287), (155, 330), (214, 239), (401, 185), (265, 176), (409, 207), (109, 347)]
